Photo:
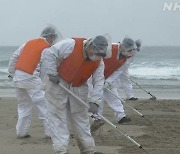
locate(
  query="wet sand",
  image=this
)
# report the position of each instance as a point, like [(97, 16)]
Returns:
[(158, 132)]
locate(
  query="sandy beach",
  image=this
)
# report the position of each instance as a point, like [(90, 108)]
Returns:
[(158, 132)]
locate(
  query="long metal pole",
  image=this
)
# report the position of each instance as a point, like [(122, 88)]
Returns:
[(125, 103), (152, 96), (106, 120)]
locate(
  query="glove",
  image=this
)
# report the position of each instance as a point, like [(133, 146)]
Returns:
[(54, 79), (93, 108), (10, 77), (107, 85)]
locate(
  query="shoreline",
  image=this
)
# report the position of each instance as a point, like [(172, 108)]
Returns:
[(160, 92), (158, 133)]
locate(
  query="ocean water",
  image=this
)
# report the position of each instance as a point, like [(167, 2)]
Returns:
[(157, 63), (157, 66), (152, 66), (5, 54)]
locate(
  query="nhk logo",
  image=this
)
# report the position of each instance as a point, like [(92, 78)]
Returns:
[(171, 6)]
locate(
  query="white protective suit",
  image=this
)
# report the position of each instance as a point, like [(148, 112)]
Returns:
[(124, 78), (63, 107), (113, 101), (29, 94)]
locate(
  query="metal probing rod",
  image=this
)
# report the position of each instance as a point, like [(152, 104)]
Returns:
[(106, 120)]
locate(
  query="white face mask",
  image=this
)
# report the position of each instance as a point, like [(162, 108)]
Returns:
[(94, 58), (91, 55), (128, 53)]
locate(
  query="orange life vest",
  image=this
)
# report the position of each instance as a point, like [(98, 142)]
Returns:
[(75, 69), (113, 63), (30, 55)]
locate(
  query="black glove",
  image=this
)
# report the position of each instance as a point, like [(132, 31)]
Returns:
[(10, 77), (93, 108), (54, 79)]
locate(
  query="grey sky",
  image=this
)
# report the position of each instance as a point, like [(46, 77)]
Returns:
[(24, 19)]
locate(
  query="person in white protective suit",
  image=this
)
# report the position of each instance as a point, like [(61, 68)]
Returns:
[(114, 68), (124, 76), (72, 62), (24, 67)]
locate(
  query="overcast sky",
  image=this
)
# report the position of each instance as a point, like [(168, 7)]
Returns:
[(21, 20)]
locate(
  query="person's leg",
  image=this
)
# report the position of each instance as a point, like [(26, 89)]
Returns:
[(101, 107), (39, 101), (79, 118), (81, 125), (58, 123), (126, 84), (114, 103), (24, 112)]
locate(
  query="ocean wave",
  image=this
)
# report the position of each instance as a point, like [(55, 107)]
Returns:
[(155, 64), (3, 71), (160, 73), (4, 63), (6, 84)]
